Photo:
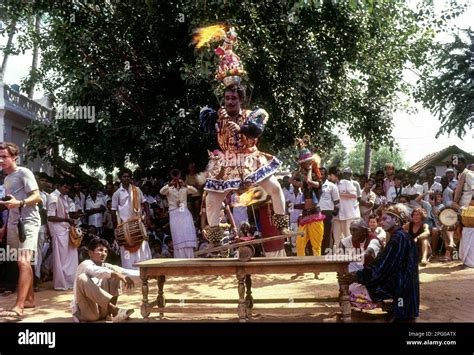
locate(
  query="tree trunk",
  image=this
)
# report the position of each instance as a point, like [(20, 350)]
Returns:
[(367, 158), (7, 48), (34, 63)]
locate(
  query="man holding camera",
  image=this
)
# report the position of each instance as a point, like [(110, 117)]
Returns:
[(22, 198)]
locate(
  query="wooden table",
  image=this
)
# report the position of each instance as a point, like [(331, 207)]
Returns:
[(161, 268)]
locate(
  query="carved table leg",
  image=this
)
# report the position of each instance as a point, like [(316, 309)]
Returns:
[(344, 301), (160, 299), (242, 308), (248, 287), (145, 308)]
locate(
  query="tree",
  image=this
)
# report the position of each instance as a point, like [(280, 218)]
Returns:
[(380, 157), (313, 65), (447, 87)]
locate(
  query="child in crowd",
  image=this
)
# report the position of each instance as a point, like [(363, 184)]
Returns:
[(379, 232)]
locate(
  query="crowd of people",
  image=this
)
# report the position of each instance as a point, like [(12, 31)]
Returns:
[(345, 212), (175, 222)]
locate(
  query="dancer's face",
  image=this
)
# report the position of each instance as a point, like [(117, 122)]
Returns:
[(388, 222), (232, 102)]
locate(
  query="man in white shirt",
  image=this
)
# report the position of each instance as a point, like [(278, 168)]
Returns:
[(431, 184), (396, 191), (347, 174), (95, 208), (448, 194), (294, 199), (97, 286), (361, 243), (286, 187), (65, 257), (329, 206), (348, 206), (413, 190), (452, 181), (123, 201)]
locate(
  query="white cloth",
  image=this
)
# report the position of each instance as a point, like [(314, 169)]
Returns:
[(357, 186), (80, 201), (95, 219), (128, 259), (184, 253), (275, 254), (329, 194), (182, 228), (435, 187), (41, 238), (287, 192), (467, 188), (466, 248), (394, 193), (123, 204), (97, 274), (295, 212), (410, 190), (177, 198), (349, 249), (349, 206), (448, 196), (65, 257)]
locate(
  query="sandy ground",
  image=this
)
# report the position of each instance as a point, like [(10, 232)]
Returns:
[(446, 296)]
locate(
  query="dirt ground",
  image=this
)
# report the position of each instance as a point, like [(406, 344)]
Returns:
[(446, 296)]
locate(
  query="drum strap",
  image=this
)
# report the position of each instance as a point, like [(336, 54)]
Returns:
[(135, 201)]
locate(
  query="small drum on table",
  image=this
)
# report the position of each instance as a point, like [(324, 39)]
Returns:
[(131, 233)]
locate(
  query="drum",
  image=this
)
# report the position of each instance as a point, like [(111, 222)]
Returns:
[(448, 217), (131, 232)]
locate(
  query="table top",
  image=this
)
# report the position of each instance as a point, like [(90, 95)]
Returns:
[(255, 261)]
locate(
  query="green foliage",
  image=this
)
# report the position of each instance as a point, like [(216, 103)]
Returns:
[(446, 87), (314, 65), (380, 157)]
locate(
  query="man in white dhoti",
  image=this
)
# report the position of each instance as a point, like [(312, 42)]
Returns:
[(127, 203), (65, 257), (464, 191), (23, 196), (182, 227), (97, 286)]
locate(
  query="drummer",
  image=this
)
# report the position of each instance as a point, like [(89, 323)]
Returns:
[(122, 211), (433, 208)]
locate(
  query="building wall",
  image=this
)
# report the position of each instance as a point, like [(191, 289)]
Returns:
[(12, 129)]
